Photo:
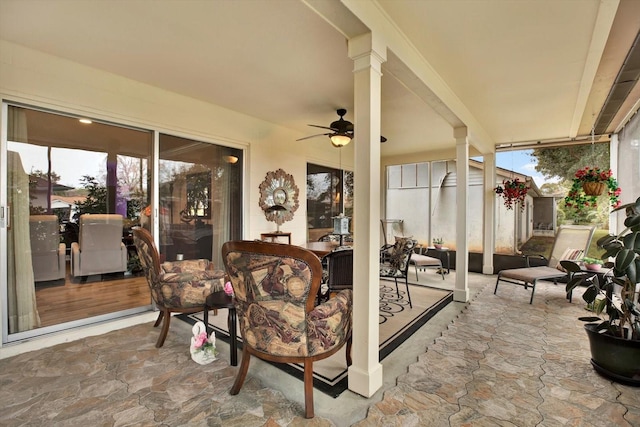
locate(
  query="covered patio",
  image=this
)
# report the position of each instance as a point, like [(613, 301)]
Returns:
[(440, 80)]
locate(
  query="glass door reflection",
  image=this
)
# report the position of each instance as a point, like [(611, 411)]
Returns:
[(200, 198)]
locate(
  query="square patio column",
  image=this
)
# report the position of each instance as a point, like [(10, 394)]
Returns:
[(488, 222), (461, 291), (368, 53)]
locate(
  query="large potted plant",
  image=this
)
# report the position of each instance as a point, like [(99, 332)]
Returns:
[(615, 338)]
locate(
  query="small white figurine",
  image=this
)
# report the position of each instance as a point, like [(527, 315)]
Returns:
[(203, 348)]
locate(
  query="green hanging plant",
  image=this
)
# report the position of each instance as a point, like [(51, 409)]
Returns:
[(580, 196)]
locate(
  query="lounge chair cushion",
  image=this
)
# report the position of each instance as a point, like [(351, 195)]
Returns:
[(571, 255), (530, 274)]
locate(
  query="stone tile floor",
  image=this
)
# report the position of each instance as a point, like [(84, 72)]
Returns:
[(501, 362), (504, 362)]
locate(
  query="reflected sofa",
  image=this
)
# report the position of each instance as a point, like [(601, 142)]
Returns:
[(47, 253), (99, 248)]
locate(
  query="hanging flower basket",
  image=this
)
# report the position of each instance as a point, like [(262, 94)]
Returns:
[(593, 188), (590, 183), (513, 191)]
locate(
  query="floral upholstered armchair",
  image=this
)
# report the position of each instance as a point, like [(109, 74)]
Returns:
[(180, 286), (275, 288), (394, 262)]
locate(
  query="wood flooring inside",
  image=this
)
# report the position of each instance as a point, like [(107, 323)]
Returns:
[(68, 300)]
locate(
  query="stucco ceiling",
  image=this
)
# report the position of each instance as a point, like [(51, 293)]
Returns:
[(523, 70)]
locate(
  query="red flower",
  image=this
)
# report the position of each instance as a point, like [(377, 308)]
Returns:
[(513, 191)]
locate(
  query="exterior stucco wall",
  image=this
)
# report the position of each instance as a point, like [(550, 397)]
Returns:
[(512, 228)]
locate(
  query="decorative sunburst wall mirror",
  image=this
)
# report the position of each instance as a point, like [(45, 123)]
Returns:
[(279, 197)]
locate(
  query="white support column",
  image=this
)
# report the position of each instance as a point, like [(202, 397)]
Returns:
[(489, 238), (368, 54), (461, 291)]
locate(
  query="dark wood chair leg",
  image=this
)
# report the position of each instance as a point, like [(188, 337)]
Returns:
[(348, 351), (242, 372), (308, 389), (159, 319), (165, 328)]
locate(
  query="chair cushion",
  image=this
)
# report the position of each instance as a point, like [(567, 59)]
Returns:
[(389, 271), (570, 254), (185, 293), (189, 288), (531, 274), (186, 266), (398, 258), (425, 261), (189, 271)]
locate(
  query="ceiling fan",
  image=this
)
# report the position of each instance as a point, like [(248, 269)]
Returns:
[(341, 131)]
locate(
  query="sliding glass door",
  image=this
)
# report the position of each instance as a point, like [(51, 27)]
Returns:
[(68, 180), (200, 198), (73, 191)]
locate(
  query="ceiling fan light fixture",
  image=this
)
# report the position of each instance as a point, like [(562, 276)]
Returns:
[(230, 159), (340, 140)]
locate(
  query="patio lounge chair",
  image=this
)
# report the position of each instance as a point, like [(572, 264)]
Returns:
[(571, 243), (421, 262)]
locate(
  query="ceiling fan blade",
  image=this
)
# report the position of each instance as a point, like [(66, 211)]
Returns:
[(313, 136), (324, 127)]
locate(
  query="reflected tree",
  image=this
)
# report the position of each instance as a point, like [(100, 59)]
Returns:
[(96, 200)]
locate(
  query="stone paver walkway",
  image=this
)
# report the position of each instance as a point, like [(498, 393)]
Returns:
[(502, 362)]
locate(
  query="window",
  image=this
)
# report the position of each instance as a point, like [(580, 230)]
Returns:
[(410, 175), (329, 193)]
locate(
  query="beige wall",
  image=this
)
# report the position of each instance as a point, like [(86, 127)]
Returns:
[(34, 78), (42, 80)]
